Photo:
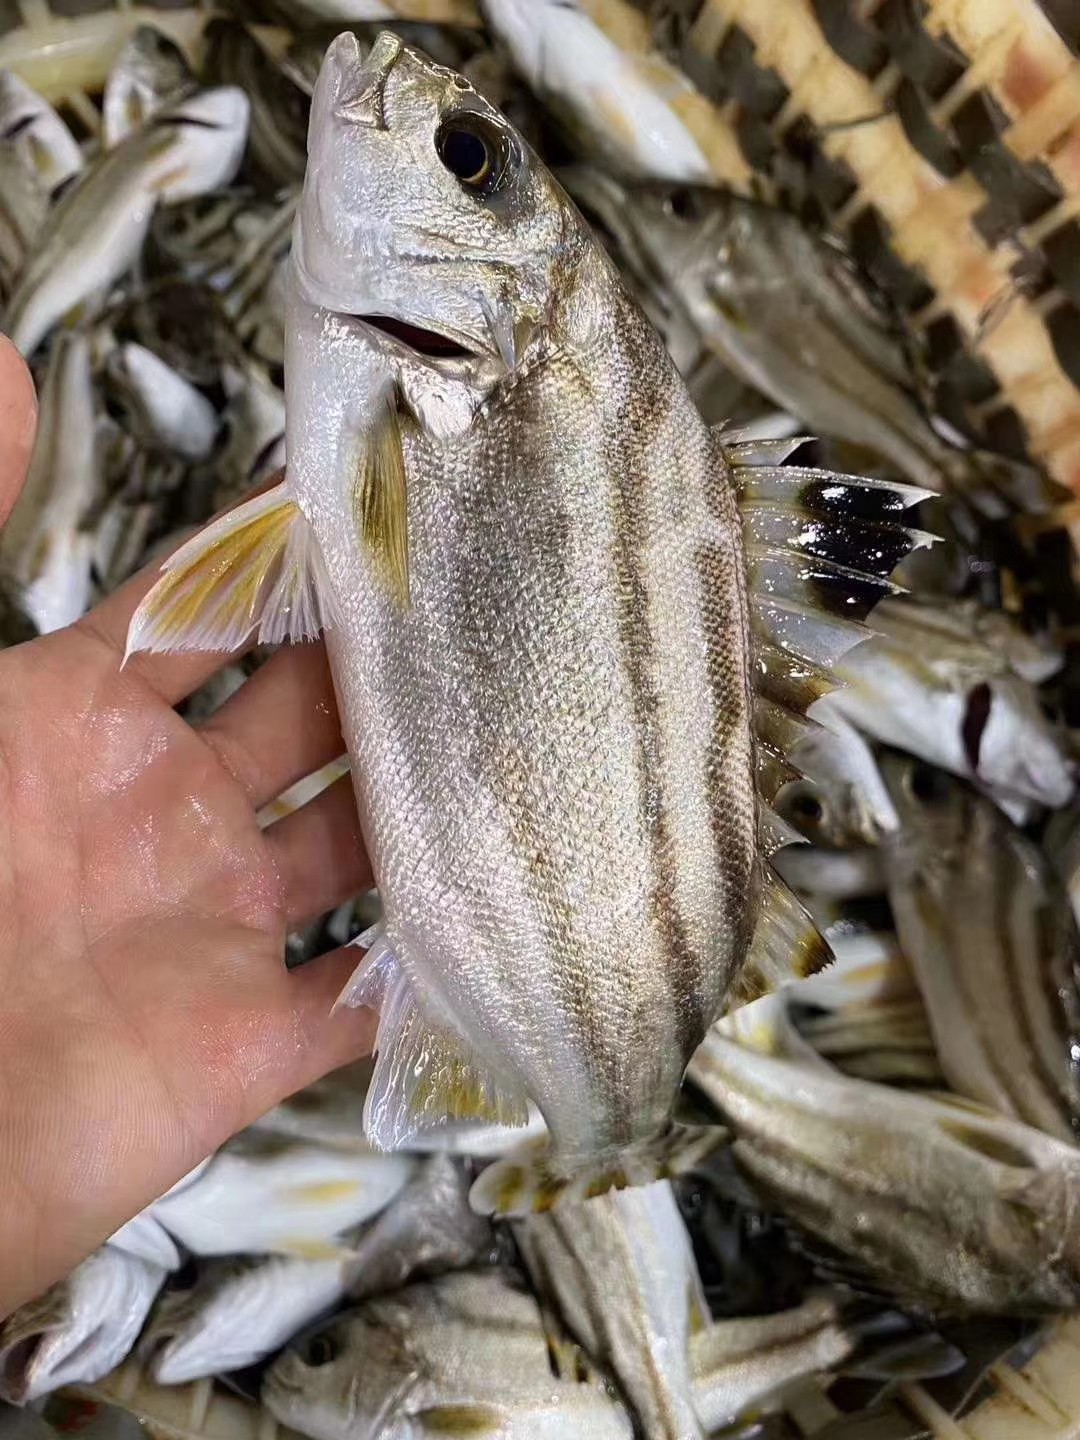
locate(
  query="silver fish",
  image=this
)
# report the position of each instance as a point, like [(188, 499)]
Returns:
[(150, 73), (46, 547), (790, 312), (98, 228), (253, 423), (947, 1204), (238, 1311), (38, 135), (746, 1365), (621, 1274), (80, 1329), (943, 683), (279, 108), (865, 1014), (574, 800), (842, 802), (427, 1229), (610, 100), (992, 940), (262, 1193), (165, 410), (465, 1354)]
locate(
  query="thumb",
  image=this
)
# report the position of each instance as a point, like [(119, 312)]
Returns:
[(18, 424)]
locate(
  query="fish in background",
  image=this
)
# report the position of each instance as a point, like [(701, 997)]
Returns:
[(991, 938), (615, 106), (543, 653), (97, 229), (47, 547), (790, 312), (941, 1202), (468, 1353), (955, 685), (81, 1328), (238, 1310), (264, 1193), (620, 1273), (164, 410)]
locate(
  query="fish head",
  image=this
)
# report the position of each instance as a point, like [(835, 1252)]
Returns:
[(935, 810), (698, 239), (343, 1379), (424, 212)]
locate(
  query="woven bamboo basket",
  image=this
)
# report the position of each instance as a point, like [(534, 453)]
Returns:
[(941, 138)]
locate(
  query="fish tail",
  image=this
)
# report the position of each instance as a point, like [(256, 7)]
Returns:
[(532, 1178)]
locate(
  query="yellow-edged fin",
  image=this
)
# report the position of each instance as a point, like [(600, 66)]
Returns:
[(381, 501), (257, 570)]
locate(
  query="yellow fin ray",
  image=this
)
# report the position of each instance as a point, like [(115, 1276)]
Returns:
[(381, 502), (257, 570)]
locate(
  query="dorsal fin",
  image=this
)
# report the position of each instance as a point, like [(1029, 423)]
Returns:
[(820, 550)]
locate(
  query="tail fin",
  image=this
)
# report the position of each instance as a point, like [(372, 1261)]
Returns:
[(530, 1179)]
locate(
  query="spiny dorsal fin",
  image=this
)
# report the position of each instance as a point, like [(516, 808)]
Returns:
[(381, 500)]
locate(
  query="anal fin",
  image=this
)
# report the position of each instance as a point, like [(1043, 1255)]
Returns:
[(424, 1075)]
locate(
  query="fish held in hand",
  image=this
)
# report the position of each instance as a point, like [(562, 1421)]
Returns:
[(573, 634)]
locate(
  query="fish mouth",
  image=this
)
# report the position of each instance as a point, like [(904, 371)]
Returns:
[(435, 344)]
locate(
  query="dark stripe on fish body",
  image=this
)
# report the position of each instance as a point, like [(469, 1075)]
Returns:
[(631, 531)]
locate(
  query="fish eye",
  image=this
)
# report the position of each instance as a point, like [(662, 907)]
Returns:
[(684, 204), (320, 1349), (475, 150), (927, 785)]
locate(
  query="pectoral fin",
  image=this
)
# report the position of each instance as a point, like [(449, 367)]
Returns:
[(257, 570)]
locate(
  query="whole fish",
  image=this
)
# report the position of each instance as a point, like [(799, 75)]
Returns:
[(238, 1311), (263, 1193), (989, 933), (165, 410), (744, 1366), (80, 1329), (46, 547), (947, 1204), (37, 133), (790, 312), (620, 1272), (98, 228), (612, 102), (467, 1354), (539, 592), (947, 683), (428, 1228)]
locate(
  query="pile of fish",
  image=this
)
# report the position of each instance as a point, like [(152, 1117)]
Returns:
[(870, 1195)]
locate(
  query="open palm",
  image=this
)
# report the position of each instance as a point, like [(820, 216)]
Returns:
[(145, 1011)]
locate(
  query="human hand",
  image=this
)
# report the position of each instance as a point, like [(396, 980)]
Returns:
[(145, 1010)]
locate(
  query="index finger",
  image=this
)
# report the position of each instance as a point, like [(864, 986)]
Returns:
[(18, 424)]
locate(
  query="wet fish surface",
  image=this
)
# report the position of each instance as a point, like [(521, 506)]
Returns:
[(548, 516)]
